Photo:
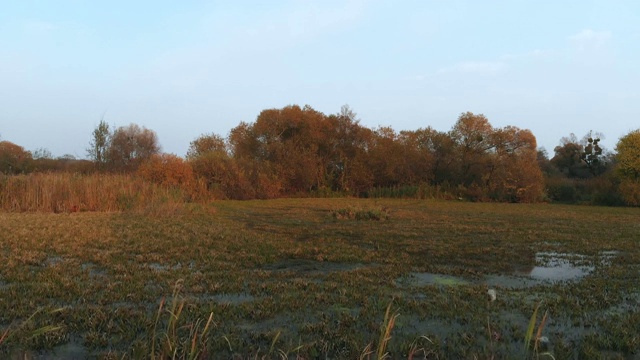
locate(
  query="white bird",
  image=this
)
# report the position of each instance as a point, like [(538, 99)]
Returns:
[(492, 294)]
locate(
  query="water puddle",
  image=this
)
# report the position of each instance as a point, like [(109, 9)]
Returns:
[(71, 350), (93, 269), (550, 268), (158, 267), (556, 267), (228, 299), (426, 279)]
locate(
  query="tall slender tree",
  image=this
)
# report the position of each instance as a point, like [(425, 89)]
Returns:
[(99, 144)]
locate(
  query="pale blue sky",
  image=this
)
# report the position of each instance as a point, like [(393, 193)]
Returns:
[(183, 68)]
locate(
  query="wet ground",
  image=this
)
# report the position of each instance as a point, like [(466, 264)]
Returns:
[(298, 276)]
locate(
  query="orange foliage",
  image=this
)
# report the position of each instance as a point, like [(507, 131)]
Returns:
[(167, 170), (66, 192), (14, 159)]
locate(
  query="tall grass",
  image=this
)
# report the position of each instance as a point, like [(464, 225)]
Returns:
[(531, 341), (178, 340), (66, 192)]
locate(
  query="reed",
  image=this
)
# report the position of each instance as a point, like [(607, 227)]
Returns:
[(67, 192)]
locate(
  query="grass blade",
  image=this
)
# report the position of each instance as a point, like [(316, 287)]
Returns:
[(532, 324)]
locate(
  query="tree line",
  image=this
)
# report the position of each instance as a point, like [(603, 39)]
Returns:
[(298, 151)]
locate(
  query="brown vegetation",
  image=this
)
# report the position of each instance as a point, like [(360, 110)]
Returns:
[(300, 152), (65, 192)]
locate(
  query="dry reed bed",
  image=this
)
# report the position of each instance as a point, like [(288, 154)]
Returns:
[(66, 192)]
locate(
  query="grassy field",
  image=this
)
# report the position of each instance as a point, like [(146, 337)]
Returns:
[(313, 278)]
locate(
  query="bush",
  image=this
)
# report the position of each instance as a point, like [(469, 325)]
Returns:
[(167, 170), (562, 190), (630, 190)]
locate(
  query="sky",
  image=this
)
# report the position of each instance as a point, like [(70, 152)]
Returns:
[(184, 68)]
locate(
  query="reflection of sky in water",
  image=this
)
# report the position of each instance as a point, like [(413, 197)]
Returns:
[(558, 267), (559, 272), (552, 268)]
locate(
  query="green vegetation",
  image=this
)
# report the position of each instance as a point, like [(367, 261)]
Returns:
[(286, 278)]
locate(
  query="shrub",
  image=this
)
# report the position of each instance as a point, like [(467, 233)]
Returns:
[(167, 170), (630, 191)]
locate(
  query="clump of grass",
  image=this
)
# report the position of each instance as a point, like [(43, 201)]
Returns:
[(357, 213), (531, 343), (23, 330), (177, 340), (385, 335)]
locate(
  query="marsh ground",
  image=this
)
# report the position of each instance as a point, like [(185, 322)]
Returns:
[(287, 277)]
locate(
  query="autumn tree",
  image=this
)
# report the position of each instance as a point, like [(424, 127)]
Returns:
[(347, 143), (14, 159), (385, 157), (287, 142), (206, 143), (131, 145), (257, 177), (418, 158), (472, 136), (567, 157), (514, 173), (545, 163), (440, 154), (628, 167), (396, 159), (168, 170), (209, 157), (300, 150)]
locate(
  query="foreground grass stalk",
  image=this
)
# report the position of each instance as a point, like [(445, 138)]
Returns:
[(538, 339), (532, 324), (173, 345), (9, 332), (385, 333)]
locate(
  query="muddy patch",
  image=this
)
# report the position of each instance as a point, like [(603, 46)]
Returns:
[(511, 281), (71, 350), (310, 266), (426, 279), (94, 270), (4, 284), (630, 306), (228, 299), (158, 267), (52, 261), (407, 325)]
